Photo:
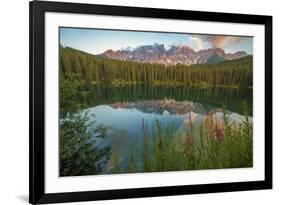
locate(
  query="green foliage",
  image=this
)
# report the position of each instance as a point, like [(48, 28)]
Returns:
[(79, 154), (70, 93), (146, 162), (132, 168), (97, 70), (216, 143), (115, 163)]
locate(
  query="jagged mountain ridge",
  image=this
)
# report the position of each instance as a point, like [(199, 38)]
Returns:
[(182, 54)]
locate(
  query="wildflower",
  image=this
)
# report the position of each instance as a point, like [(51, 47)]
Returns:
[(187, 142), (219, 131), (215, 127)]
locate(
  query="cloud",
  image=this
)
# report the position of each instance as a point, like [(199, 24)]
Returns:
[(223, 41), (198, 42), (215, 41)]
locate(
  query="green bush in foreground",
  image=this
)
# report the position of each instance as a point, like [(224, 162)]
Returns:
[(78, 150)]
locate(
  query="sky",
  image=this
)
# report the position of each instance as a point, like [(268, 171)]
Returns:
[(97, 41)]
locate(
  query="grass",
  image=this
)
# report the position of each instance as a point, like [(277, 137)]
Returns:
[(216, 143)]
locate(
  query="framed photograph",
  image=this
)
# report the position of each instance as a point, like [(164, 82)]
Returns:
[(140, 102)]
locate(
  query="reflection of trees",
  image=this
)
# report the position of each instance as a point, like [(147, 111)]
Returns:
[(79, 154), (229, 98)]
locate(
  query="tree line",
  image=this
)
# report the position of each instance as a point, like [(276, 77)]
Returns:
[(97, 70)]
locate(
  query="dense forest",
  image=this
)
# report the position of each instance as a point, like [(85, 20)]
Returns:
[(97, 70)]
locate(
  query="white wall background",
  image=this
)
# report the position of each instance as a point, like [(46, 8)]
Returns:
[(14, 42)]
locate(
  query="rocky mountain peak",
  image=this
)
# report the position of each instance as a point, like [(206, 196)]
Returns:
[(157, 53)]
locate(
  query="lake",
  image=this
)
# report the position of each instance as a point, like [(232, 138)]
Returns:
[(126, 110)]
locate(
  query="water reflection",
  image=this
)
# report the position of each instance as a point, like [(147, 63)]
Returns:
[(126, 120), (128, 116), (229, 98), (126, 109)]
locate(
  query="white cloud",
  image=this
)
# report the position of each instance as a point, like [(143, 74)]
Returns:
[(198, 43)]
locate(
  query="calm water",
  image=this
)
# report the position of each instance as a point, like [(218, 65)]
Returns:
[(125, 109)]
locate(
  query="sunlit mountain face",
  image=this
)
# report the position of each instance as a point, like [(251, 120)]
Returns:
[(157, 53)]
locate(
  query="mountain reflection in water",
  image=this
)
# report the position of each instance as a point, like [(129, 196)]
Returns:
[(126, 119)]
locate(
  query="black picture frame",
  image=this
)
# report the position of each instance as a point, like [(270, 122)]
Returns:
[(37, 11)]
